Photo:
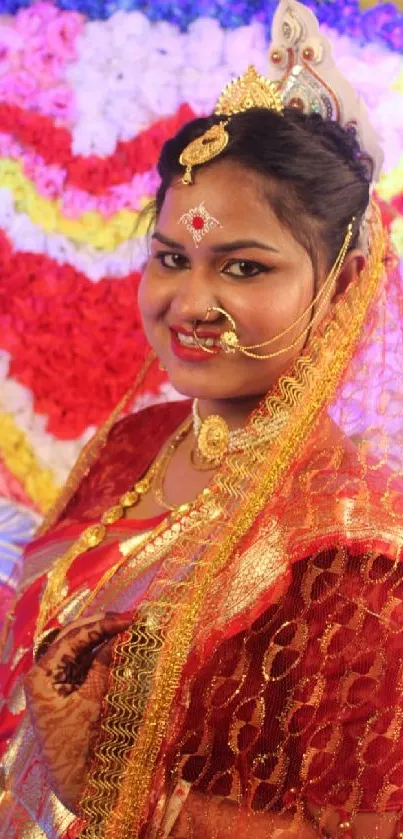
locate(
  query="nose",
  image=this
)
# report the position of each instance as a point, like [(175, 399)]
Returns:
[(193, 297)]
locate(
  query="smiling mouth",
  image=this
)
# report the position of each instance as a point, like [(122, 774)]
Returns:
[(189, 341)]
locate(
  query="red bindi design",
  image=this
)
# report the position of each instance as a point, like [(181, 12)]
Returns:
[(198, 222)]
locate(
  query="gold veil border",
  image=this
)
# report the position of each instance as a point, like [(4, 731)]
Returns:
[(246, 485)]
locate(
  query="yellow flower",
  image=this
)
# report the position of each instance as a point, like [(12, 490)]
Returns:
[(91, 228), (20, 459)]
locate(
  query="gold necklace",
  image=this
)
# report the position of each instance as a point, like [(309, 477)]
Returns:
[(95, 534), (215, 440), (160, 473), (212, 440)]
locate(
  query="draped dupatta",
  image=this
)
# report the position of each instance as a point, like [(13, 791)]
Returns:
[(260, 680), (327, 491)]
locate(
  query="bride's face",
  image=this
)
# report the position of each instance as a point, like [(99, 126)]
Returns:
[(246, 263)]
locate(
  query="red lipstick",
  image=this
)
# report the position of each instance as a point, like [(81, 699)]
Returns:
[(192, 354)]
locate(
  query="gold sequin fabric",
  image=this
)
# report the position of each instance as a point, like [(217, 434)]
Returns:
[(263, 664), (328, 493), (308, 698)]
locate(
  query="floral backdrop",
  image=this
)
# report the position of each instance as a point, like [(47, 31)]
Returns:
[(89, 91)]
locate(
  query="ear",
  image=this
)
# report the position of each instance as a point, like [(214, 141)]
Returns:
[(354, 263)]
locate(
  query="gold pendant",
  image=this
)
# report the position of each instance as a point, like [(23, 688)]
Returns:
[(213, 439)]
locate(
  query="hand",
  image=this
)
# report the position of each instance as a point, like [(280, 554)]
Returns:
[(64, 693)]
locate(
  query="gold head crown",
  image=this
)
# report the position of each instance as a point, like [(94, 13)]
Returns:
[(303, 76), (251, 90)]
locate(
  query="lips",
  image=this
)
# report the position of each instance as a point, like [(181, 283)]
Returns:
[(193, 354)]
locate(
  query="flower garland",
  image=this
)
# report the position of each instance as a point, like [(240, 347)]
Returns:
[(49, 181), (27, 237), (92, 228), (92, 350), (35, 50), (21, 460), (93, 174), (383, 22)]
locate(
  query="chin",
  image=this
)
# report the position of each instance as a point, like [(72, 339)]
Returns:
[(195, 382), (203, 384)]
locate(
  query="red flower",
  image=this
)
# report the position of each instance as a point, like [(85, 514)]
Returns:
[(76, 344), (93, 174)]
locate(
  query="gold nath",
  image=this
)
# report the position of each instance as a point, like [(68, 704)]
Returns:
[(251, 90)]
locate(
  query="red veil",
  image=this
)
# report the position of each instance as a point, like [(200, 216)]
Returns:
[(262, 679)]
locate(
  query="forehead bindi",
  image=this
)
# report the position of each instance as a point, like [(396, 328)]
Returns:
[(225, 203), (199, 222)]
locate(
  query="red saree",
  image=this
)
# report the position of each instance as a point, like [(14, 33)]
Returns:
[(132, 445), (268, 616)]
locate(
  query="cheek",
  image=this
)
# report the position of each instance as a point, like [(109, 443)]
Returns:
[(272, 309), (151, 295)]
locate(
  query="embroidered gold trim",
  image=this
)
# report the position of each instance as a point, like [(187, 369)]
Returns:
[(305, 394)]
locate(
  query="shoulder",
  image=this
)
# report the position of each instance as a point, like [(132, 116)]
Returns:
[(160, 419), (131, 446)]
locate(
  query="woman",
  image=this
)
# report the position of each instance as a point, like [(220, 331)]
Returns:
[(218, 639)]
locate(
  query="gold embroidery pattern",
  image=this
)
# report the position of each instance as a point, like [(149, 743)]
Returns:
[(246, 483), (331, 706)]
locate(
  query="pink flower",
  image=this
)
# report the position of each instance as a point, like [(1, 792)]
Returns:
[(49, 180), (74, 202), (62, 34), (42, 61), (11, 44), (57, 102), (18, 88), (32, 20), (9, 147)]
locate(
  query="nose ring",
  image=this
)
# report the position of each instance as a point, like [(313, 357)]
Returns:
[(228, 340)]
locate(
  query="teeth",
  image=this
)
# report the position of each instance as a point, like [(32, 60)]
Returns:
[(189, 341)]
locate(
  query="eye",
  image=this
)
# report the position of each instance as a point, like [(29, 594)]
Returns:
[(172, 261), (244, 268)]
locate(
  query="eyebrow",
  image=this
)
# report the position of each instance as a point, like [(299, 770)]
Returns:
[(225, 247)]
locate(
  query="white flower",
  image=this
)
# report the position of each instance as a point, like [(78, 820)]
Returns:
[(167, 46), (204, 45), (94, 137), (201, 97), (17, 399), (133, 27), (26, 236), (95, 44), (4, 365), (161, 92), (244, 46)]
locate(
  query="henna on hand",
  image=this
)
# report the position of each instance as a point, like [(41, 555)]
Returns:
[(64, 692)]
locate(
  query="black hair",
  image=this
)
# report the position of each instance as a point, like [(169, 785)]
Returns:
[(317, 178)]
